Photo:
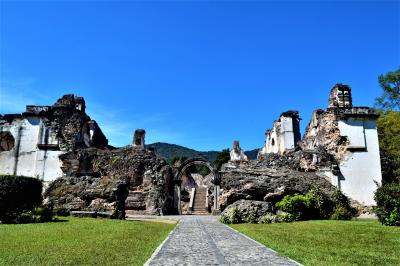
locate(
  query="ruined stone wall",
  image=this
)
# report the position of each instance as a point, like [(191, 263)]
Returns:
[(28, 157), (284, 135), (42, 133), (268, 180), (349, 134), (102, 180)]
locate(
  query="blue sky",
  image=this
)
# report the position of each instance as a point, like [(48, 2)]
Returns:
[(194, 73)]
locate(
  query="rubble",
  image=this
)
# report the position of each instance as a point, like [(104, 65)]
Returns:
[(130, 179), (261, 181), (250, 209)]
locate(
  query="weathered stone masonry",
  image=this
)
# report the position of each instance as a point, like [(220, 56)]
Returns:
[(345, 133), (37, 137), (61, 145)]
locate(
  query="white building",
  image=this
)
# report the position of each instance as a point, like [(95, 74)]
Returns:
[(350, 134), (284, 135), (35, 149), (31, 142)]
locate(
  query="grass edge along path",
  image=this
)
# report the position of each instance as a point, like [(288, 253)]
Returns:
[(80, 241), (360, 242)]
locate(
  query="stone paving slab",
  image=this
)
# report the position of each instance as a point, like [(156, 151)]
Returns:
[(203, 240)]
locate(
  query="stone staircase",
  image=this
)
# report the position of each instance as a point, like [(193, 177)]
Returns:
[(200, 201)]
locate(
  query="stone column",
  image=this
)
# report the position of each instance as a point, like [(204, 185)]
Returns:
[(138, 139), (177, 196), (216, 209)]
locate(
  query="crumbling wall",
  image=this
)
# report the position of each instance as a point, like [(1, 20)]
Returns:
[(349, 134), (323, 131), (264, 181), (31, 142), (130, 179), (284, 135)]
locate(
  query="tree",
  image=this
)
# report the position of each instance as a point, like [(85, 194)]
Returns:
[(389, 125), (389, 143), (390, 99), (222, 157)]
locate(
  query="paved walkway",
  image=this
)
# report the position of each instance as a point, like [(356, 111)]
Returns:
[(203, 240)]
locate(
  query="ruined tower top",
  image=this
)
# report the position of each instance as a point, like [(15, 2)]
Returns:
[(138, 138), (340, 96), (236, 153), (291, 113), (71, 100)]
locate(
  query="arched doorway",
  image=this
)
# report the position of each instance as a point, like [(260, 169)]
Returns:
[(197, 194)]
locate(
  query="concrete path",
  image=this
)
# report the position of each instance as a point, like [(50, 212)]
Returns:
[(203, 240)]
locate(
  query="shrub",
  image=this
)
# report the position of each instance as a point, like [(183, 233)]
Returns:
[(387, 199), (43, 214), (250, 218), (224, 219), (232, 216), (266, 219), (316, 205), (18, 194), (299, 206), (341, 213), (321, 205), (286, 217), (18, 217), (342, 209)]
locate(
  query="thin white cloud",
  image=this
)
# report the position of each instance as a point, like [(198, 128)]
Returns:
[(16, 94)]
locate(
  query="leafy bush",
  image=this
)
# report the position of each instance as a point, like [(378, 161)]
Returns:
[(341, 213), (316, 205), (286, 217), (299, 206), (250, 218), (18, 194), (266, 219), (342, 209), (222, 157), (43, 214), (232, 216), (224, 219), (321, 205), (18, 217), (387, 199)]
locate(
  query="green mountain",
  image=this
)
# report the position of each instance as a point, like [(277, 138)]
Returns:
[(169, 151)]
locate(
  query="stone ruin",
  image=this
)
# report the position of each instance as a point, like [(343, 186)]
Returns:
[(61, 145), (236, 153), (284, 135), (340, 144), (32, 142), (138, 139)]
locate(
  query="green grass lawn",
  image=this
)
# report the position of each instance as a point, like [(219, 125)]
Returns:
[(81, 241), (330, 242)]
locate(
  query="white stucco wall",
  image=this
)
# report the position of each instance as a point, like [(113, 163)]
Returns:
[(362, 166), (287, 139), (273, 136), (26, 158)]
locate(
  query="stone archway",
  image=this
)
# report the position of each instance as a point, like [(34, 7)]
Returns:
[(214, 182)]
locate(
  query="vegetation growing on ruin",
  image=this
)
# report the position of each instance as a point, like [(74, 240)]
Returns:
[(222, 157), (81, 241), (330, 242)]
